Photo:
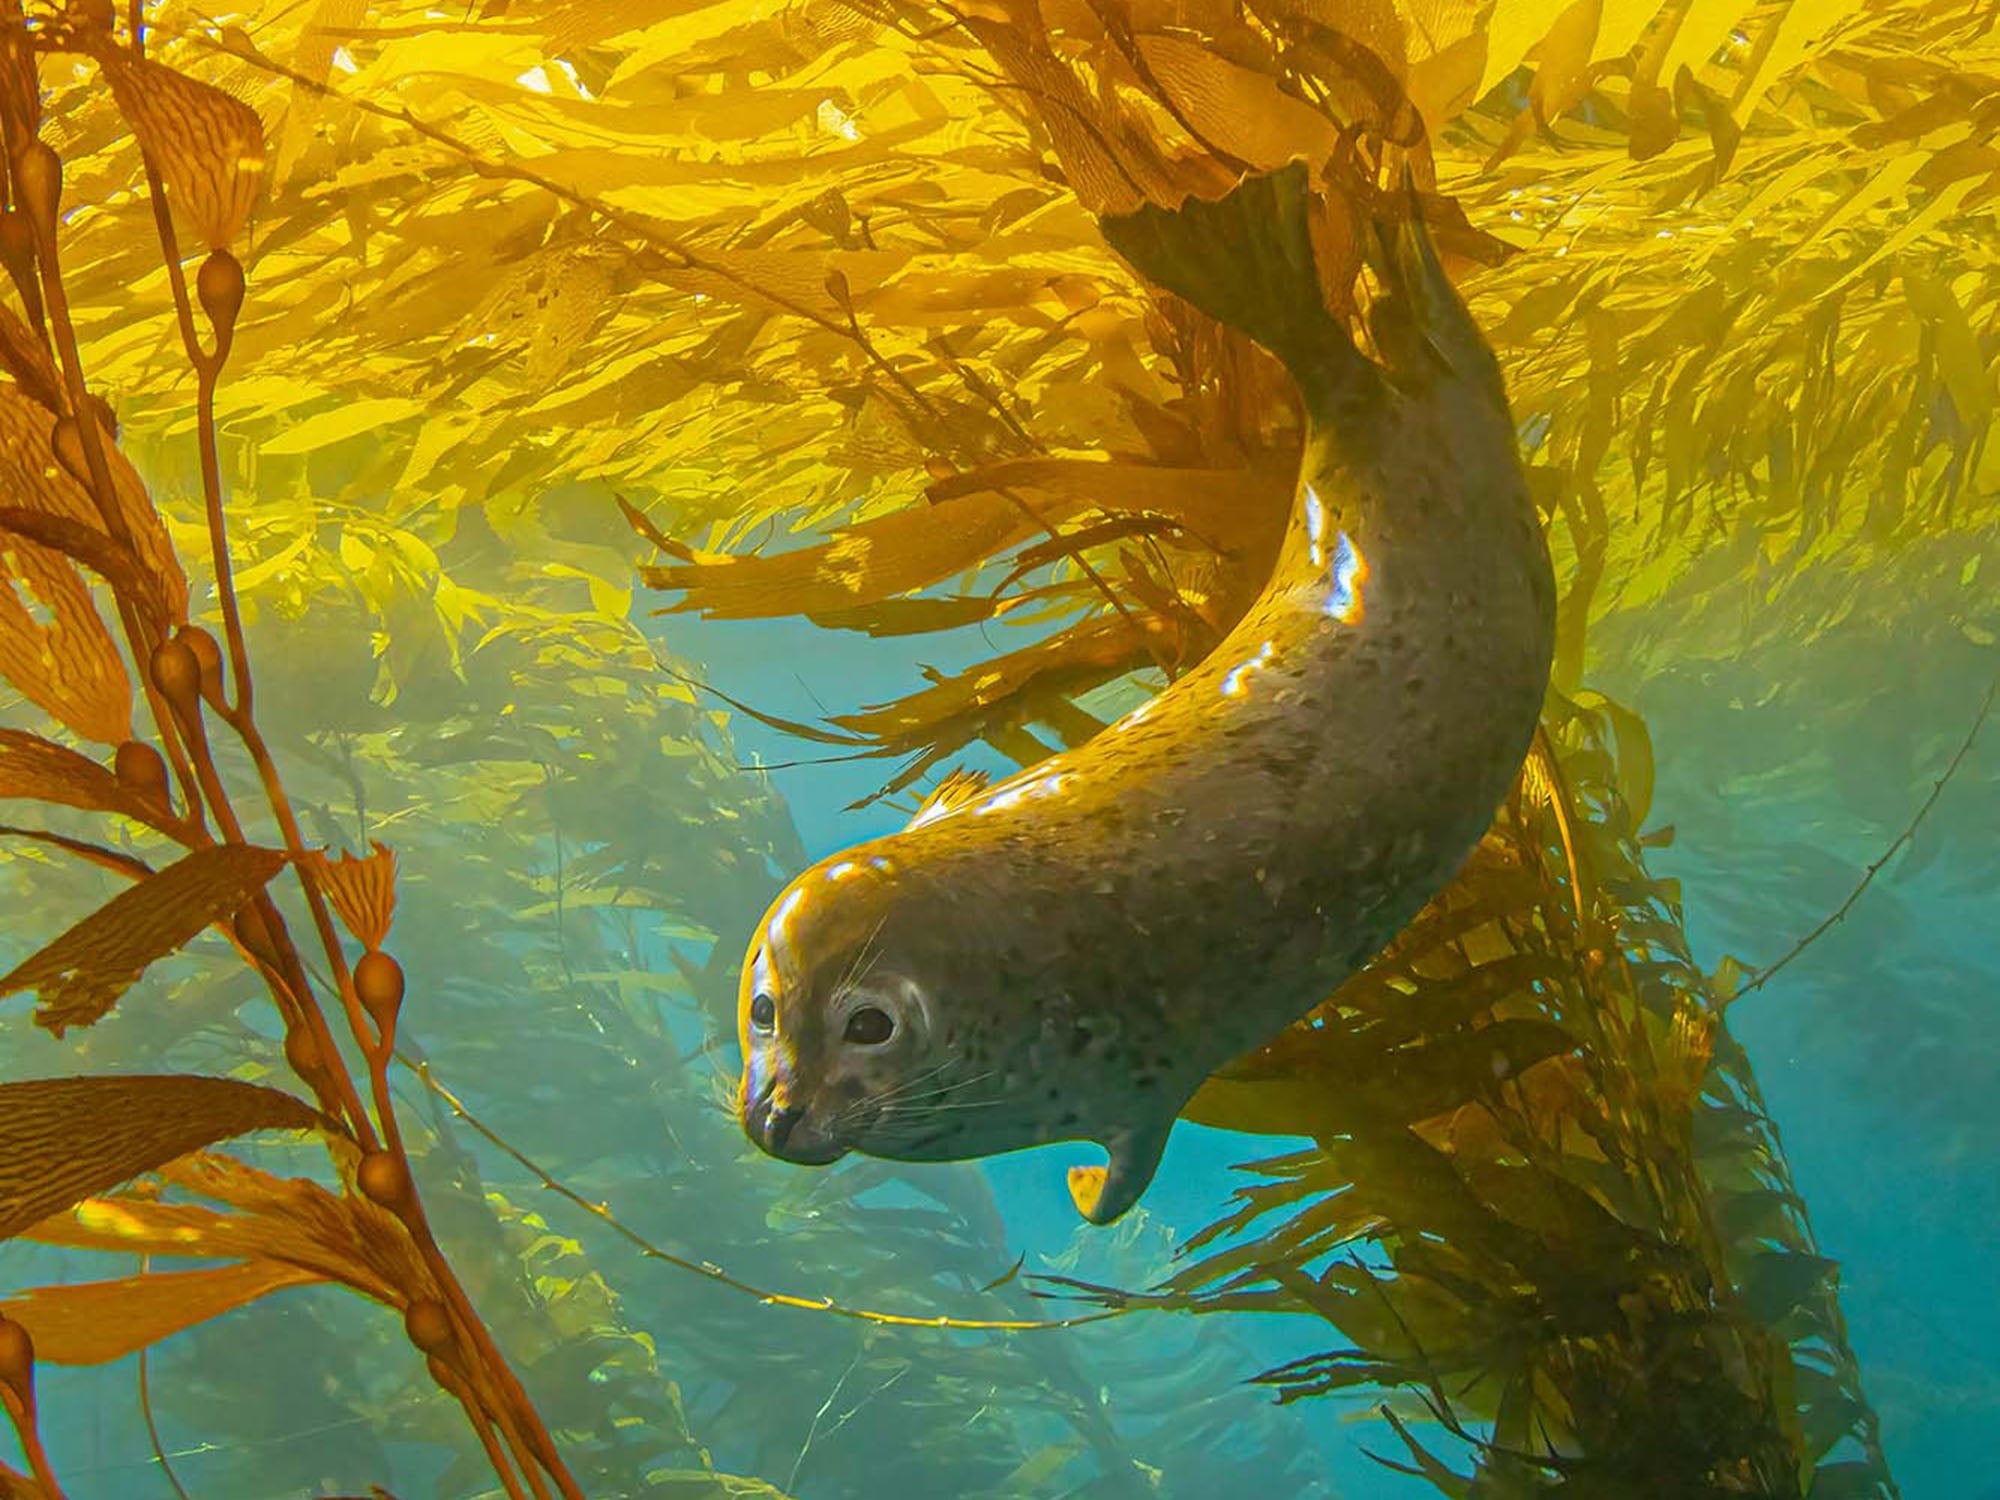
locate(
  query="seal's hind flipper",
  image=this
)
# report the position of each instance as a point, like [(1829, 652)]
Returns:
[(1102, 1194), (1421, 325), (1246, 259)]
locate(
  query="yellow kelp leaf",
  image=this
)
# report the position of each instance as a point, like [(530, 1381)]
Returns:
[(362, 891), (23, 356), (63, 1139), (1701, 28), (285, 558), (31, 766), (32, 478), (1436, 26), (1635, 753), (792, 281), (312, 60), (95, 1322), (1621, 25), (53, 645), (1338, 1079), (1684, 1055), (1891, 175), (547, 307), (1110, 165), (872, 560), (298, 1223), (1959, 360), (1562, 73), (1789, 35), (1443, 85), (340, 422), (81, 974), (1274, 1106), (207, 145), (1512, 30), (1944, 203), (1654, 120), (1234, 109), (986, 700), (1222, 506), (1561, 41), (1562, 59)]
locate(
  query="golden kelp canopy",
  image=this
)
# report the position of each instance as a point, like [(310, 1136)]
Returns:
[(751, 266)]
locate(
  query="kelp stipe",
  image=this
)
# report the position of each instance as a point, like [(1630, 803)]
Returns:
[(76, 504)]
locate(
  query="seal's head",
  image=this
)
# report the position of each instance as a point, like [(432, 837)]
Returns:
[(879, 1014), (842, 1046)]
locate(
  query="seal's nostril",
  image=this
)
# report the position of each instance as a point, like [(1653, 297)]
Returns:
[(779, 1124)]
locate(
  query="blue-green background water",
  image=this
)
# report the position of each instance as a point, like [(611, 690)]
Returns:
[(1900, 1185), (1912, 1213)]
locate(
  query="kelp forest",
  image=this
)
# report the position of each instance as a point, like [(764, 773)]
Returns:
[(413, 420)]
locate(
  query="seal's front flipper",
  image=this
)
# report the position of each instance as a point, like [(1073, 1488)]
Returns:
[(1102, 1194)]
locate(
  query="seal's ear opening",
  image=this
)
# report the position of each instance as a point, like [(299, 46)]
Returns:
[(1103, 1194)]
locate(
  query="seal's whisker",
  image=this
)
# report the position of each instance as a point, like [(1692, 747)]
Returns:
[(906, 1102), (912, 1084), (863, 963), (871, 952), (909, 1085), (905, 1096), (938, 1106)]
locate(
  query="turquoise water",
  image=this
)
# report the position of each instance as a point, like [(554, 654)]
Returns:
[(1869, 1057), (1875, 1050), (1898, 1186)]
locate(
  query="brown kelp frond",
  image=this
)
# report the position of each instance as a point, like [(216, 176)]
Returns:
[(361, 890), (74, 501), (1531, 1124), (79, 977), (276, 1232), (67, 1138)]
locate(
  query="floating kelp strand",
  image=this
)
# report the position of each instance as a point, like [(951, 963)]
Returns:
[(712, 1271)]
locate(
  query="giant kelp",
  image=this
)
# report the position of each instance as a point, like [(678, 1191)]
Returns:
[(498, 733), (76, 504), (827, 264)]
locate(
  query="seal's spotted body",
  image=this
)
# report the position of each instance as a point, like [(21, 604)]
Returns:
[(1068, 954)]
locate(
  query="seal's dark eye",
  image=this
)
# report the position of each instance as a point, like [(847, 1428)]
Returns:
[(763, 1012), (870, 1027)]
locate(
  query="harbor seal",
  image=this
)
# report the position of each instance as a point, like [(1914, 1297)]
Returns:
[(1067, 954)]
